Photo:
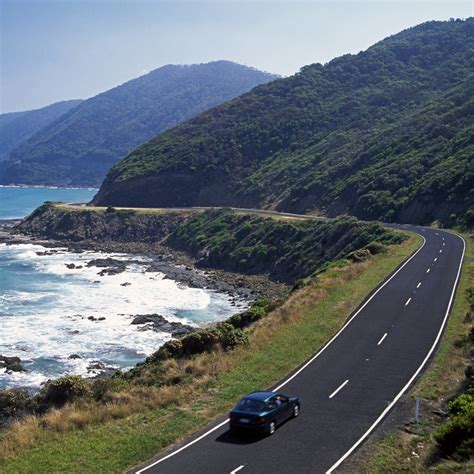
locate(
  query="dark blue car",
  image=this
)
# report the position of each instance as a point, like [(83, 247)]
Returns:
[(263, 411)]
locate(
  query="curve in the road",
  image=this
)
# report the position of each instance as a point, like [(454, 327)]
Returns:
[(352, 383)]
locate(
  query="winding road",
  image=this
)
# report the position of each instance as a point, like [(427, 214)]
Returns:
[(351, 384)]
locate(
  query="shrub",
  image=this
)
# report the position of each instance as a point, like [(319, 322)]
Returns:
[(258, 310), (101, 387), (359, 255), (223, 335), (375, 247), (62, 390), (230, 337), (462, 405), (456, 437), (15, 402)]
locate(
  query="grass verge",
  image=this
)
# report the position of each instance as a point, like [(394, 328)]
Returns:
[(120, 434)]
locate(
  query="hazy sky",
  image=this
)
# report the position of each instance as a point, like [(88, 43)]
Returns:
[(65, 49)]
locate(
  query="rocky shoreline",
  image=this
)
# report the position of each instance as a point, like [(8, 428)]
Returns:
[(174, 264), (155, 258)]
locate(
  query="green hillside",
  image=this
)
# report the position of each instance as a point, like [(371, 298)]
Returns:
[(384, 134), (81, 146), (16, 127)]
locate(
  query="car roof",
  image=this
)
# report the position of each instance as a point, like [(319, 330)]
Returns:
[(260, 396)]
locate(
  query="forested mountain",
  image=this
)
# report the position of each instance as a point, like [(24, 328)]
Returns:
[(16, 127), (81, 146), (384, 134)]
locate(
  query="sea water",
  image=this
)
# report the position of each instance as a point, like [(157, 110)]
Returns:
[(17, 202), (50, 310)]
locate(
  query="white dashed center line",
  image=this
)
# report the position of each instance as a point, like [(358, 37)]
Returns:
[(428, 271), (444, 243), (441, 251), (435, 259), (237, 469), (419, 284), (381, 339), (408, 302), (339, 388)]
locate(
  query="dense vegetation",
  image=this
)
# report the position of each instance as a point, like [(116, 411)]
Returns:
[(455, 437), (384, 134), (17, 127), (287, 251), (80, 147)]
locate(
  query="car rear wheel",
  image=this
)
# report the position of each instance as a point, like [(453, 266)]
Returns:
[(271, 428), (296, 411)]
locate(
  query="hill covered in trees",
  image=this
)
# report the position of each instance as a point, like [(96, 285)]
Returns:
[(81, 146), (15, 127), (384, 134)]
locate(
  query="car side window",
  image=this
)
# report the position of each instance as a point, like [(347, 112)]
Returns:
[(271, 404), (283, 399)]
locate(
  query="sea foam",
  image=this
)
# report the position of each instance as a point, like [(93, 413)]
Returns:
[(49, 312)]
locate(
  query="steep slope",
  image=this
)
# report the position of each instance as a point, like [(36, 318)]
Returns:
[(81, 146), (16, 127), (384, 134)]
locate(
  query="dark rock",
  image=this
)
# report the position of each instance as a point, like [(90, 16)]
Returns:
[(102, 318), (125, 284), (96, 365), (74, 356), (110, 266), (104, 371), (156, 322), (12, 364), (103, 262), (71, 266), (111, 271)]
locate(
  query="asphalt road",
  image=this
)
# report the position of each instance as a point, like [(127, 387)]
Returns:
[(351, 384)]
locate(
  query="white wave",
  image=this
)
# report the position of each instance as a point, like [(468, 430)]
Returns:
[(58, 315)]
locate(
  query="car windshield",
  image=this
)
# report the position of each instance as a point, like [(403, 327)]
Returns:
[(247, 404)]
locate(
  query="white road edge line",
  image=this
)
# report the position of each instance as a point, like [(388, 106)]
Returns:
[(381, 339), (419, 284), (237, 469), (413, 377), (343, 384), (408, 302), (289, 379)]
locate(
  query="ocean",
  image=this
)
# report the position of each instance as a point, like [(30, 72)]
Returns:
[(54, 306), (17, 202)]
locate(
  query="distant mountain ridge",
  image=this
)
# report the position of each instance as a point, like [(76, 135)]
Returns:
[(384, 134), (16, 127), (81, 146)]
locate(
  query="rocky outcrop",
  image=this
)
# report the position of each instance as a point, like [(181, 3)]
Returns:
[(58, 223), (12, 364), (159, 323)]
